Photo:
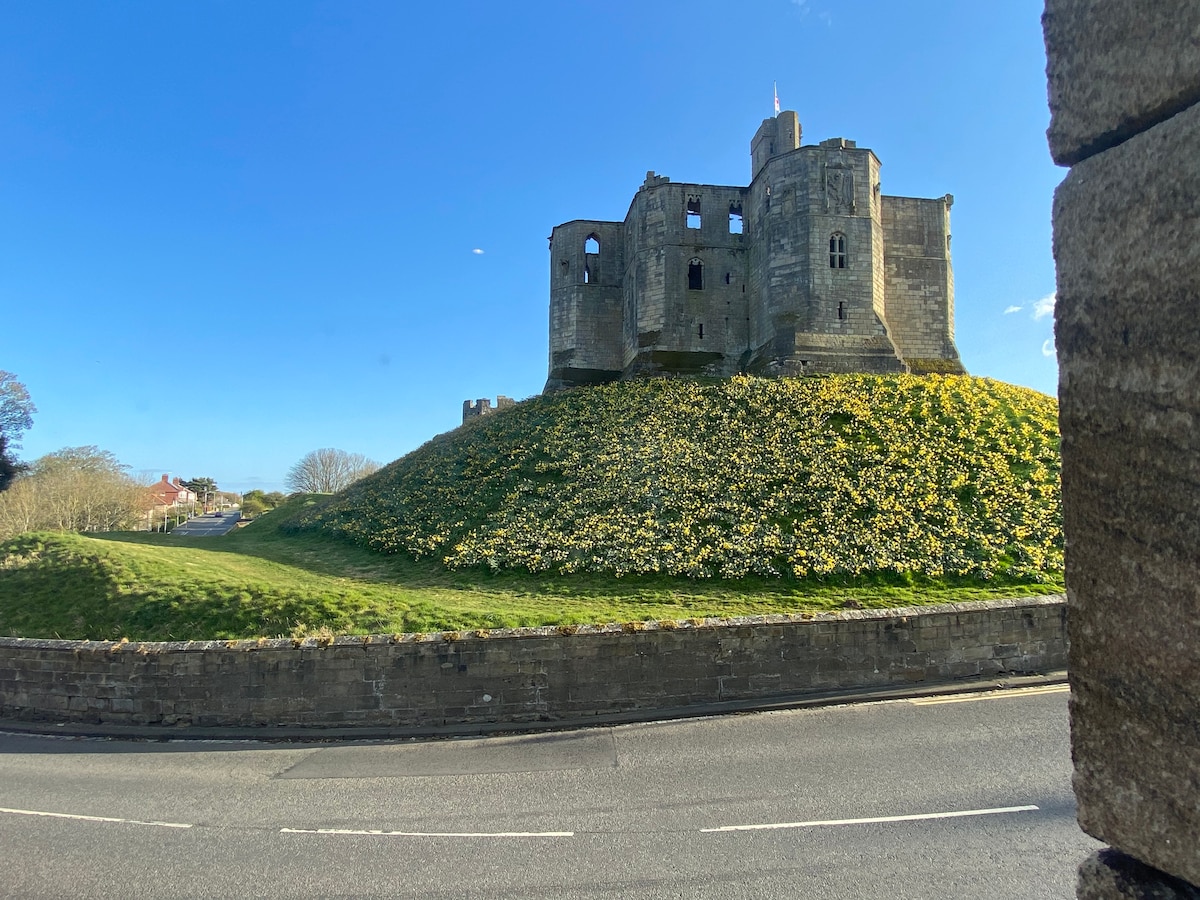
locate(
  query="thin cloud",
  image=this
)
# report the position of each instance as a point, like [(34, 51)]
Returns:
[(1048, 347), (1013, 309), (477, 252), (1045, 306), (801, 7)]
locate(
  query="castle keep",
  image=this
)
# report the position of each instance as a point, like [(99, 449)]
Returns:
[(808, 269)]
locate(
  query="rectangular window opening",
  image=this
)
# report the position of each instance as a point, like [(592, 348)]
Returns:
[(693, 212), (701, 331), (735, 219), (841, 310)]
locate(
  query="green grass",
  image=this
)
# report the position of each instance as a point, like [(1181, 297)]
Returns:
[(261, 581), (665, 499)]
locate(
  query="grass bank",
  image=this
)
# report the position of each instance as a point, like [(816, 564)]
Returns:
[(263, 581), (665, 499)]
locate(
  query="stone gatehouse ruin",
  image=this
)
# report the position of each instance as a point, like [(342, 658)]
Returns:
[(810, 268)]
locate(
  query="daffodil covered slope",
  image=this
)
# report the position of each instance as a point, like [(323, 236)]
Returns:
[(840, 475)]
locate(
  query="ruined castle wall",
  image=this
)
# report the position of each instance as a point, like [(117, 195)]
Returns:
[(585, 301), (693, 319), (846, 300), (701, 297), (759, 333), (782, 262), (919, 282), (645, 269)]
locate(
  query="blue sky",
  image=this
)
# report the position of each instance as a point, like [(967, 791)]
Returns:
[(236, 232)]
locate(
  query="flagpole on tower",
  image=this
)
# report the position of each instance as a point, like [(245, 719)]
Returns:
[(775, 85)]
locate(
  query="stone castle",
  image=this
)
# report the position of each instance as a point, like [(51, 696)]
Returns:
[(473, 409), (808, 269)]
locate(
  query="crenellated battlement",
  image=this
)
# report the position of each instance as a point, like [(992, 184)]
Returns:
[(472, 409)]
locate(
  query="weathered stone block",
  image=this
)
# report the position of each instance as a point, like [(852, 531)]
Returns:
[(1109, 875), (1116, 68), (1127, 244)]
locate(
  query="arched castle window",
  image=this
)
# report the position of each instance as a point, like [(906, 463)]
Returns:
[(735, 218), (837, 250), (693, 212), (695, 274), (591, 256)]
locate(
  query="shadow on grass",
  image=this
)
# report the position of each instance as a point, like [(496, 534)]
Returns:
[(338, 558)]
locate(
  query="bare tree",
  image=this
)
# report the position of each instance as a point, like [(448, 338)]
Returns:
[(327, 471), (74, 489)]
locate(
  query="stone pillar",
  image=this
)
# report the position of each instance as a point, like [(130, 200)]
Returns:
[(1124, 84)]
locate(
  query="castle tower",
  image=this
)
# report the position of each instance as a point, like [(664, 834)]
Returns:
[(809, 268), (587, 265), (774, 137)]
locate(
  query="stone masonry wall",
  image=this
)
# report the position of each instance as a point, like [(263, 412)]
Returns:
[(1124, 86), (919, 281), (524, 674)]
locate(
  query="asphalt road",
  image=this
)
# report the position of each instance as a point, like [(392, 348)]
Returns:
[(956, 797), (208, 525)]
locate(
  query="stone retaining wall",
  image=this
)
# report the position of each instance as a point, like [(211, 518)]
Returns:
[(522, 675)]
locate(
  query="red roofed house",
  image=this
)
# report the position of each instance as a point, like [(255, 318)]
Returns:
[(172, 493)]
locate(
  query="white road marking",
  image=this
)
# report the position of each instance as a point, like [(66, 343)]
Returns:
[(436, 834), (993, 695), (915, 818), (54, 815)]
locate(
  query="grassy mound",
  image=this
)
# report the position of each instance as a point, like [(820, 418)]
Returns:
[(262, 581), (846, 476)]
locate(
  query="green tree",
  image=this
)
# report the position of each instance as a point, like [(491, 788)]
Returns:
[(257, 502), (205, 490), (16, 417), (16, 408), (253, 504), (9, 467)]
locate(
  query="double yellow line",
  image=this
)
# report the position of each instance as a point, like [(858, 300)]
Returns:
[(993, 695)]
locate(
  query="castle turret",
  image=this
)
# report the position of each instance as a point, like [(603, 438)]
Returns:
[(774, 138), (587, 267)]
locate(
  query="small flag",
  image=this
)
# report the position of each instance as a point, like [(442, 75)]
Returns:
[(776, 86)]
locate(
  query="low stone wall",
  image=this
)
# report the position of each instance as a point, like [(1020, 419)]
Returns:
[(522, 675)]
